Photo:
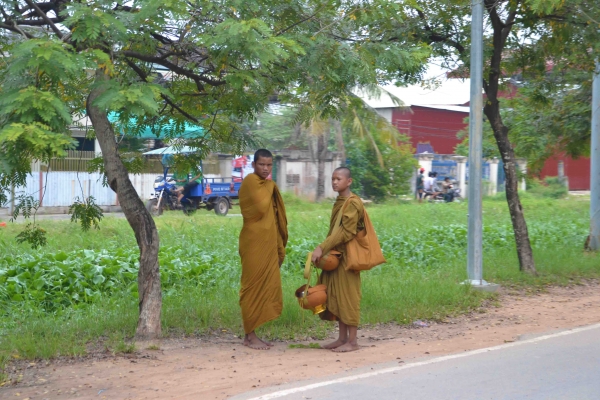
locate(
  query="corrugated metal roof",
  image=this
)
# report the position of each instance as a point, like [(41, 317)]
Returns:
[(450, 92), (463, 109)]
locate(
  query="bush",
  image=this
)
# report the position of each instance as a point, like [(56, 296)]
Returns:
[(377, 183), (550, 187)]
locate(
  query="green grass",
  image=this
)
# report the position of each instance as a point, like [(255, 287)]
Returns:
[(425, 246)]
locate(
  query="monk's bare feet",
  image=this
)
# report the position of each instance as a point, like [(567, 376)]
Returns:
[(252, 341), (347, 347), (334, 345), (267, 342)]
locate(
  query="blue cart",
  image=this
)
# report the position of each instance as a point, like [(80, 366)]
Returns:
[(216, 193), (213, 194)]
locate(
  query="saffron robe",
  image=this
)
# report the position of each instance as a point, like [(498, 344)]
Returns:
[(343, 287), (262, 247)]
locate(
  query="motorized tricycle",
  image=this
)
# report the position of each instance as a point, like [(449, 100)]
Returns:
[(213, 194)]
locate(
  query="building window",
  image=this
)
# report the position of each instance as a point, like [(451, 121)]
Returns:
[(292, 179), (84, 144)]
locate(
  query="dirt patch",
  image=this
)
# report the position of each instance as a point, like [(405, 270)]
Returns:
[(221, 367)]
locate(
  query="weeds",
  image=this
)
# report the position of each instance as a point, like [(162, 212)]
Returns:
[(81, 289)]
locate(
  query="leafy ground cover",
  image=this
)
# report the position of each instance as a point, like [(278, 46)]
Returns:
[(80, 290)]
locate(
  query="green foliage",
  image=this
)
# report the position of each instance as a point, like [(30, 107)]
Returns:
[(60, 280), (36, 105), (304, 346), (132, 99), (57, 281), (550, 187), (87, 212), (200, 272), (373, 181), (89, 25), (549, 56), (34, 235), (168, 64), (278, 130), (26, 206)]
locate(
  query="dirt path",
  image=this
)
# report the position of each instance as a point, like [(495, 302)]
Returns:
[(222, 367)]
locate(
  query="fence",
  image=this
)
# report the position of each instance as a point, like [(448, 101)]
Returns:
[(77, 160), (60, 188), (445, 166)]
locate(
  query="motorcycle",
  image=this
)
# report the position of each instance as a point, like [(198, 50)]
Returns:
[(453, 195), (455, 192), (165, 198)]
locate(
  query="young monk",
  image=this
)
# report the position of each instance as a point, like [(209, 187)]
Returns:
[(262, 248), (343, 287)]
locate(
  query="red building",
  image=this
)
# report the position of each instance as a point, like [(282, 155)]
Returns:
[(427, 121), (434, 125), (578, 171)]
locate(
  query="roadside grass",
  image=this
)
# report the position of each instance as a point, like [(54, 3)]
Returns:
[(425, 246)]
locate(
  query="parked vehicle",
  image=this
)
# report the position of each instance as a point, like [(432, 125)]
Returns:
[(213, 194), (441, 197), (455, 192)]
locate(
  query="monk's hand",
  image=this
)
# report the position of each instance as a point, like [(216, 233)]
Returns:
[(317, 254)]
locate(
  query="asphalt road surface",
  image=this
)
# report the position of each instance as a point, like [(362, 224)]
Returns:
[(563, 365)]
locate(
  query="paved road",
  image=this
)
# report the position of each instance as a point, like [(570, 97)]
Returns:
[(565, 365)]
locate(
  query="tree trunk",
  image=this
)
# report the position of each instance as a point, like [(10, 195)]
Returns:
[(524, 252), (492, 111), (140, 220)]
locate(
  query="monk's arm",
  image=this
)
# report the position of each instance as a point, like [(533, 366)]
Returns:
[(280, 249), (280, 245), (348, 229)]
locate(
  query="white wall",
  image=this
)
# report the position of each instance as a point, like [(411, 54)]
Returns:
[(385, 113), (308, 172), (61, 188)]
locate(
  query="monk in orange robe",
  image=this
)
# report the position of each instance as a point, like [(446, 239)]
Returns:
[(343, 287), (262, 248)]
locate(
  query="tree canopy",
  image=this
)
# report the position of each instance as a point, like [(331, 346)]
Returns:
[(216, 64)]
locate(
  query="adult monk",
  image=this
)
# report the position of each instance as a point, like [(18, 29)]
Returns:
[(262, 248), (343, 287)]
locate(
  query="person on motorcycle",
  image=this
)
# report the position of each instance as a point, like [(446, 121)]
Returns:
[(185, 185), (430, 185), (447, 190)]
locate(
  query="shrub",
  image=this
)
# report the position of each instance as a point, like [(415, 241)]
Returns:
[(550, 187)]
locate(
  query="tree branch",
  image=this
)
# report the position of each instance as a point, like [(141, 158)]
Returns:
[(174, 67), (181, 110), (438, 38), (45, 18), (282, 31), (144, 77)]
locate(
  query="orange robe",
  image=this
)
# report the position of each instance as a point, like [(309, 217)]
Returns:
[(343, 287), (262, 247)]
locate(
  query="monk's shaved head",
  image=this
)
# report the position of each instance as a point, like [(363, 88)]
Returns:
[(344, 170), (262, 153)]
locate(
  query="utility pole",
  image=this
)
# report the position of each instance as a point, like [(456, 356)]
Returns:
[(475, 233), (594, 242)]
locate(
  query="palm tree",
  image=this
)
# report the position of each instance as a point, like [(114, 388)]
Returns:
[(357, 119)]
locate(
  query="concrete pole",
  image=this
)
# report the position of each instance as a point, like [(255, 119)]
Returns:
[(461, 174), (595, 164), (425, 161), (282, 174), (475, 233), (493, 176), (522, 163)]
